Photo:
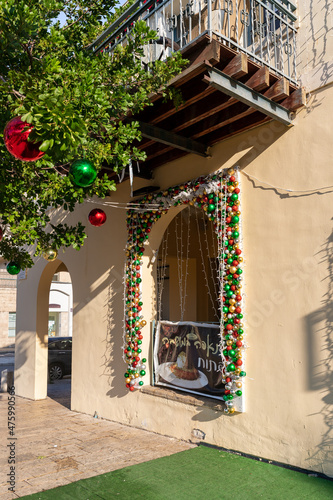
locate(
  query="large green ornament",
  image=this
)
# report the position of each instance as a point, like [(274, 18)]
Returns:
[(13, 268), (83, 173)]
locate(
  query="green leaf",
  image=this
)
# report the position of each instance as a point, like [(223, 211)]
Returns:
[(45, 145)]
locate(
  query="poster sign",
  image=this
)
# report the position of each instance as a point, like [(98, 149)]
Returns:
[(187, 357)]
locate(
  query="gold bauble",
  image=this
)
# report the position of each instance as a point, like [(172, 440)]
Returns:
[(231, 309), (143, 322), (136, 375), (231, 410), (232, 269), (238, 385), (127, 380), (232, 302), (237, 370), (229, 342), (50, 254)]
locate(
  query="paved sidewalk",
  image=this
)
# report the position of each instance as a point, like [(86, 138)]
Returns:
[(55, 446)]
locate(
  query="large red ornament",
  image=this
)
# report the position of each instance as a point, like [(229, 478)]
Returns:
[(97, 217), (16, 135)]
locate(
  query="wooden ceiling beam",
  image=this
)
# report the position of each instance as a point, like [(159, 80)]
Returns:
[(221, 121), (278, 91), (296, 100), (174, 140), (237, 67), (260, 80), (237, 127)]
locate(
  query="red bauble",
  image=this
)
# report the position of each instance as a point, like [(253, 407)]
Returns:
[(97, 217), (16, 135), (1, 233)]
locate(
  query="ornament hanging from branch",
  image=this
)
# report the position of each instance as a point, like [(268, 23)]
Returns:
[(16, 137), (83, 173), (50, 254), (13, 268), (97, 217), (1, 233)]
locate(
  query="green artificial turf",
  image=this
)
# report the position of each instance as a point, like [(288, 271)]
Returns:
[(201, 473)]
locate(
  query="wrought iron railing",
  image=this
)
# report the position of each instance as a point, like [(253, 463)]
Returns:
[(263, 29)]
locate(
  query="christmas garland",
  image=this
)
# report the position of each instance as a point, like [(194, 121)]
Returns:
[(218, 196)]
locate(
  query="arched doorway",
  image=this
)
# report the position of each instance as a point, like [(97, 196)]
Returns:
[(60, 329)]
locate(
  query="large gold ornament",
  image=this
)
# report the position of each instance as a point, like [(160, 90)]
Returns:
[(50, 254)]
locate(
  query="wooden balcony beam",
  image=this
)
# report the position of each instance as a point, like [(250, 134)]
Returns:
[(260, 80), (278, 91), (242, 93), (237, 67), (170, 139), (296, 100)]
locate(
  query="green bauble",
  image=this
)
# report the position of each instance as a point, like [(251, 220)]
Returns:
[(83, 173), (231, 367), (13, 268), (211, 207)]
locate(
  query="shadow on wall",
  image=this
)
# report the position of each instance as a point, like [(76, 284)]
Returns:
[(113, 364), (319, 331), (319, 37)]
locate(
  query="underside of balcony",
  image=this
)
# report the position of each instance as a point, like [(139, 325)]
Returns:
[(224, 93)]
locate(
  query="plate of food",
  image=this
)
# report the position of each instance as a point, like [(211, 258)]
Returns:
[(182, 373)]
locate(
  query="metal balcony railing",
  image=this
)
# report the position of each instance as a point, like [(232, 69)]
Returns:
[(263, 29)]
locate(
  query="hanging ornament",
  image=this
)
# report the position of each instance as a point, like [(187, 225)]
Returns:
[(50, 254), (13, 268), (97, 217), (1, 233), (83, 173), (16, 135)]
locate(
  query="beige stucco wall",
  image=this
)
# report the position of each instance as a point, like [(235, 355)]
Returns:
[(288, 276), (314, 43)]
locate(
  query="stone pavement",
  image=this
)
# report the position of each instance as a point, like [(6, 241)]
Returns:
[(55, 446)]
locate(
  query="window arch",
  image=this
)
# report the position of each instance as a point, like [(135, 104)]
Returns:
[(218, 196)]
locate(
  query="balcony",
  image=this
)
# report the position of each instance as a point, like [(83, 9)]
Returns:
[(241, 72)]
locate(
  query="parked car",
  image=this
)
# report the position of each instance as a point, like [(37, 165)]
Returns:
[(60, 357)]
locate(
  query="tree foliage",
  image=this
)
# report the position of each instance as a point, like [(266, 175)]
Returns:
[(76, 101)]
